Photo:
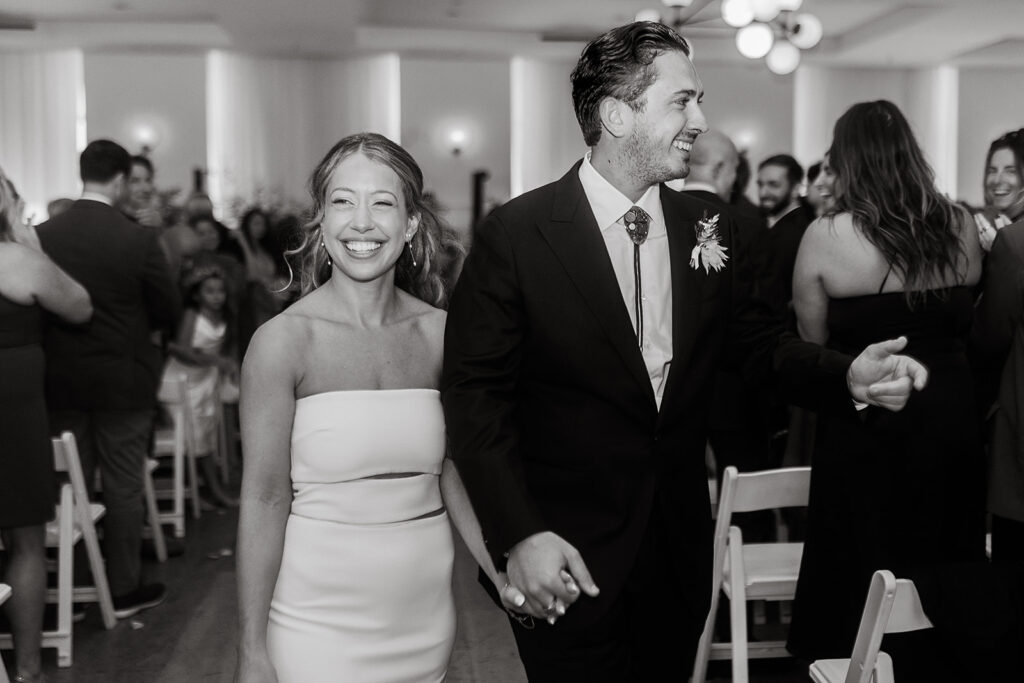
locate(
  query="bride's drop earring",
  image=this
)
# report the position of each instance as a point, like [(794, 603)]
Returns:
[(324, 247)]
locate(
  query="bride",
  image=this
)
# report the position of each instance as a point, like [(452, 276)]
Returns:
[(344, 545)]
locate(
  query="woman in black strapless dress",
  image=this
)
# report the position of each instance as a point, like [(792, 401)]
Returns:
[(889, 490), (29, 284)]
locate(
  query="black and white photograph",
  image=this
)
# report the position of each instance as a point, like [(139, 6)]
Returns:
[(508, 341)]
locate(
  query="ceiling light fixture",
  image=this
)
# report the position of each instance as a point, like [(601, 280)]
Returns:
[(772, 29)]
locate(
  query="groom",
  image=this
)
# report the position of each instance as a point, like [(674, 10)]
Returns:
[(581, 348)]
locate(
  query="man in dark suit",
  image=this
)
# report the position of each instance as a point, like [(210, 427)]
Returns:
[(582, 342), (738, 427), (102, 379), (998, 338), (778, 186)]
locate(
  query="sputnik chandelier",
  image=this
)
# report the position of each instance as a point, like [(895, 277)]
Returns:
[(772, 29), (767, 28)]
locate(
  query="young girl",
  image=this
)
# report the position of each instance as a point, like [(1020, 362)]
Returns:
[(204, 353)]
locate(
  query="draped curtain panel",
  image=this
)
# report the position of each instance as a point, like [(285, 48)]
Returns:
[(269, 121), (42, 125)]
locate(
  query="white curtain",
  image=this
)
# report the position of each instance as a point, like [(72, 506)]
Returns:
[(42, 124), (269, 121)]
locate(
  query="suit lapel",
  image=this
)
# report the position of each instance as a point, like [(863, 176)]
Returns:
[(680, 221), (573, 234)]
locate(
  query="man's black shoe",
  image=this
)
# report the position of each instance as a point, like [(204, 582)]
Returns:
[(145, 596)]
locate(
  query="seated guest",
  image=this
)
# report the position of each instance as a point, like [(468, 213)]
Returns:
[(998, 336), (101, 380), (1004, 186), (902, 491), (29, 284)]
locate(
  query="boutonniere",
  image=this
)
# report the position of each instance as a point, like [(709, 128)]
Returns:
[(708, 252)]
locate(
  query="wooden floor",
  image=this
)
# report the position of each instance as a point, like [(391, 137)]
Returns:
[(191, 637)]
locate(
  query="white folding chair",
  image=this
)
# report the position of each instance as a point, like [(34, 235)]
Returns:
[(155, 529), (176, 443), (5, 592), (753, 571), (75, 520), (892, 606)]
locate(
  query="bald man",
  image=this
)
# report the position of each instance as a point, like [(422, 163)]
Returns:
[(739, 431)]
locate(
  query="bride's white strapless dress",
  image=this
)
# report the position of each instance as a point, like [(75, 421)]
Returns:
[(364, 591)]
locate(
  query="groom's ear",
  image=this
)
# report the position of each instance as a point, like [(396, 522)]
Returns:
[(616, 117)]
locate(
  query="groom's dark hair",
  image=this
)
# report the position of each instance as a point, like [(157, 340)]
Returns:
[(618, 64)]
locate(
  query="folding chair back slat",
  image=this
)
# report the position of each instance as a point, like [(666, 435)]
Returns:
[(771, 489)]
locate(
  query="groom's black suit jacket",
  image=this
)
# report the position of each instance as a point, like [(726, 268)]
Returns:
[(549, 407)]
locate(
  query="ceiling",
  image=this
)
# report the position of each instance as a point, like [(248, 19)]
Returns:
[(883, 33)]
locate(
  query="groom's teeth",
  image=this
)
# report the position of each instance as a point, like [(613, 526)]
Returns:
[(681, 145)]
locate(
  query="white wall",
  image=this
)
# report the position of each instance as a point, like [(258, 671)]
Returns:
[(166, 92), (750, 105), (991, 103), (472, 95)]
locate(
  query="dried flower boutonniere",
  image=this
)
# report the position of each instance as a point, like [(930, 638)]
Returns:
[(708, 252)]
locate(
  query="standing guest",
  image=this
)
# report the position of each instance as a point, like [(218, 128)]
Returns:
[(579, 431), (813, 199), (778, 186), (258, 249), (998, 337), (345, 563), (823, 188), (738, 196), (140, 200), (205, 354), (29, 284), (101, 380), (738, 428), (1004, 186), (215, 250), (897, 491)]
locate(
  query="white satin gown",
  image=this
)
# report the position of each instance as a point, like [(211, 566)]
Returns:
[(364, 591)]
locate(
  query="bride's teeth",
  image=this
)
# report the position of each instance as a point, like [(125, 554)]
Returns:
[(362, 246)]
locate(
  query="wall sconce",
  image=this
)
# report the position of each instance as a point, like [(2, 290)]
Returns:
[(146, 136), (456, 141)]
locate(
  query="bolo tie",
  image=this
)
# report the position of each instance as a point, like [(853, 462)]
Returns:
[(638, 223)]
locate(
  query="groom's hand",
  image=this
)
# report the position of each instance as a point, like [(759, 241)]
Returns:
[(537, 565), (881, 377)]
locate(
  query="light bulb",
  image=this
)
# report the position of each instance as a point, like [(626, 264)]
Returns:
[(648, 15), (783, 58), (807, 31), (754, 41), (737, 13), (765, 10)]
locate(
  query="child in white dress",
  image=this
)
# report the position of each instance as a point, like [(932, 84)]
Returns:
[(203, 353)]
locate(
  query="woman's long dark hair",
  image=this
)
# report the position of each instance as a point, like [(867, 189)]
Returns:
[(423, 280), (884, 182)]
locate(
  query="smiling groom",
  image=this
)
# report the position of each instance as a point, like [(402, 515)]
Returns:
[(581, 347)]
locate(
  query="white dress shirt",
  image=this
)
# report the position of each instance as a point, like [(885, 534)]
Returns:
[(97, 197), (609, 205)]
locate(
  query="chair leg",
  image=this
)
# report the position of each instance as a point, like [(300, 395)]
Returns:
[(193, 484), (700, 663), (738, 625), (153, 513), (99, 575), (65, 573)]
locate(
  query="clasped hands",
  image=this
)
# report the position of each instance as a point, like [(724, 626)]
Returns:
[(545, 575), (881, 377)]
